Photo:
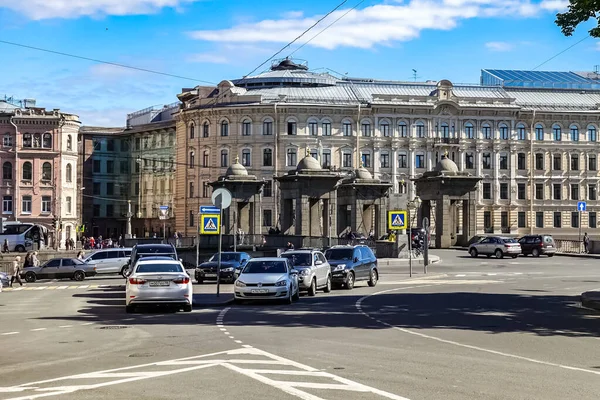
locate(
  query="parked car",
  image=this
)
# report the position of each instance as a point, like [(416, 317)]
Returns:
[(150, 250), (59, 268), (231, 265), (4, 279), (267, 278), (109, 261), (158, 280), (496, 246), (350, 264), (313, 269), (537, 245)]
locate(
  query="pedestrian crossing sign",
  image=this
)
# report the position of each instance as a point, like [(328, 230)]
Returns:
[(209, 224), (396, 220)]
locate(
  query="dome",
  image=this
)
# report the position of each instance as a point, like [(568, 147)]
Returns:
[(308, 162), (236, 169), (363, 173), (446, 165)]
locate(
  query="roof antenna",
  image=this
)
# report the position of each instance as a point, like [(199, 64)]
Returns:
[(415, 76)]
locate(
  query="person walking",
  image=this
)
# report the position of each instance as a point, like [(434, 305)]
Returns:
[(586, 243), (16, 271), (5, 248)]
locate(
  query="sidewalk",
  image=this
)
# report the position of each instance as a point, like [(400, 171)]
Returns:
[(579, 255), (402, 262)]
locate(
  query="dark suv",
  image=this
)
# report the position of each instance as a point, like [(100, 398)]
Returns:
[(352, 263), (150, 250), (538, 244)]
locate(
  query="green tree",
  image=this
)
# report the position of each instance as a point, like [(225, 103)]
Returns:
[(579, 11)]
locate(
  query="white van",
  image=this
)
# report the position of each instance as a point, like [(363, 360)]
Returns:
[(109, 261)]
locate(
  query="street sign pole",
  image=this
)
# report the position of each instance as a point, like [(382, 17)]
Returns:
[(581, 207), (221, 199), (409, 244), (219, 250), (425, 224), (198, 241), (579, 243)]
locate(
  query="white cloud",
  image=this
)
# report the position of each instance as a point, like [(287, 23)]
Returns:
[(208, 58), (554, 5), (499, 46), (293, 14), (598, 45), (44, 9), (378, 24)]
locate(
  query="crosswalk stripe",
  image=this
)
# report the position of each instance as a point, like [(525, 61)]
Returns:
[(73, 287), (84, 286), (69, 287), (61, 287)]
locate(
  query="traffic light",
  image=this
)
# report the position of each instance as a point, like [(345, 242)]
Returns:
[(54, 222)]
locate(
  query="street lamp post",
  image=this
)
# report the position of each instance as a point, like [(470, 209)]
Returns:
[(129, 215), (415, 203)]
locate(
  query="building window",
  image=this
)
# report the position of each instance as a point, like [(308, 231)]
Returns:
[(224, 158), (27, 140), (366, 129), (521, 132), (539, 132), (487, 191), (592, 192), (574, 133), (224, 128), (191, 189), (504, 224), (366, 160), (246, 128), (556, 133), (539, 161), (326, 159), (191, 219), (592, 133), (469, 162), (592, 220), (539, 191), (347, 129), (487, 222), (521, 191), (313, 129), (110, 188), (326, 126), (420, 127), (267, 128), (291, 128), (292, 159), (267, 218), (486, 131), (110, 166), (347, 160), (267, 158), (96, 210), (27, 171), (96, 188), (7, 140), (26, 205), (575, 219), (556, 191), (192, 131), (384, 128), (445, 130), (419, 161), (521, 219), (503, 132), (69, 203), (557, 162), (539, 219), (592, 162), (503, 161), (69, 142), (47, 141), (574, 162), (246, 158), (469, 130), (110, 210), (205, 158), (7, 204), (46, 204), (268, 189), (557, 219), (136, 188), (7, 170), (521, 161), (69, 173), (385, 160), (574, 192), (192, 159), (504, 191), (205, 130), (487, 161), (402, 160)]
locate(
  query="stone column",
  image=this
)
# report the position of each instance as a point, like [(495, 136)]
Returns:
[(478, 166), (429, 160), (443, 227), (376, 162), (469, 219), (496, 168), (394, 162)]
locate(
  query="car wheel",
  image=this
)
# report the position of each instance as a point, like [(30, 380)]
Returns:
[(238, 301), (296, 295), (550, 255), (20, 249), (78, 276), (30, 277), (200, 281), (124, 272), (499, 253), (312, 290), (514, 256), (290, 298), (327, 288), (350, 281), (129, 309), (374, 278), (473, 252), (187, 308), (535, 252)]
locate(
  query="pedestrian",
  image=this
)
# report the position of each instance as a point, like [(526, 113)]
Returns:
[(16, 271), (290, 246), (5, 246), (80, 255), (586, 243), (34, 261)]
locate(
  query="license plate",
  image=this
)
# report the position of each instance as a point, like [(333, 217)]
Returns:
[(210, 275), (260, 291), (160, 283), (549, 246)]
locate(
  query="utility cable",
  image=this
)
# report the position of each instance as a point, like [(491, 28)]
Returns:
[(563, 51)]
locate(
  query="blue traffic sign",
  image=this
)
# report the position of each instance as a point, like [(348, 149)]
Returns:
[(209, 210), (165, 208), (581, 206), (397, 220), (210, 224)]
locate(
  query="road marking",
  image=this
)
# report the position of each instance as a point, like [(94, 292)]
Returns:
[(238, 341), (66, 326), (358, 306), (441, 282), (84, 286), (10, 333), (62, 287), (38, 329)]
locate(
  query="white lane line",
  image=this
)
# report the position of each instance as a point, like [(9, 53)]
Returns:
[(66, 326), (88, 323), (222, 329), (129, 319), (84, 286), (226, 333), (41, 288), (461, 275), (358, 306), (10, 333), (238, 341), (61, 287), (231, 337), (38, 329)]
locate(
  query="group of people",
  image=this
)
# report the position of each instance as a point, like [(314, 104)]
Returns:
[(31, 260), (91, 243)]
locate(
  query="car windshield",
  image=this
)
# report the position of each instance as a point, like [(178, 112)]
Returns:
[(138, 256), (299, 259), (226, 257), (510, 240), (158, 268), (339, 254), (265, 267)]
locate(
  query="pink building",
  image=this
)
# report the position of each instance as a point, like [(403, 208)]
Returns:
[(38, 154)]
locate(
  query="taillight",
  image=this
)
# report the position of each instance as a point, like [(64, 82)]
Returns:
[(136, 281), (182, 281)]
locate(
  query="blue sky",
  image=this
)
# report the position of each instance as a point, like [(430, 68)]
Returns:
[(212, 40)]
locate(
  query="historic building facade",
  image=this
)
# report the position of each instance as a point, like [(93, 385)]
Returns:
[(536, 149), (39, 167)]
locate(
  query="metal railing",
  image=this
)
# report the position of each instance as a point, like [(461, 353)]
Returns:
[(569, 246)]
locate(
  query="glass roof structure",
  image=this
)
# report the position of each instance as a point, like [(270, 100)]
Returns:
[(537, 79)]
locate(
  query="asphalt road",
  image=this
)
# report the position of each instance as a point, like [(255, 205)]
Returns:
[(473, 329)]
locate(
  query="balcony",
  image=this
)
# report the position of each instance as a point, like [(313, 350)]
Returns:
[(445, 141)]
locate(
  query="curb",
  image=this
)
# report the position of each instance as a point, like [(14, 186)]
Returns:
[(574, 255)]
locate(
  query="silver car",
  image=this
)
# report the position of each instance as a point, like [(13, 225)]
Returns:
[(313, 269), (4, 280), (109, 261), (268, 278), (496, 246)]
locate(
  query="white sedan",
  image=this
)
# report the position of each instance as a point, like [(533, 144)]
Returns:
[(156, 280), (267, 278)]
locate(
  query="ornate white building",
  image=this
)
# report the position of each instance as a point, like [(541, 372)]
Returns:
[(536, 149)]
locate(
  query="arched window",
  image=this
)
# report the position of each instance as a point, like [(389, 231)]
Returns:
[(192, 131), (503, 131), (27, 140), (267, 128), (7, 170), (402, 129), (592, 133), (192, 159), (313, 127), (486, 131), (539, 132), (205, 129), (27, 171), (37, 140), (205, 158), (267, 158), (445, 130), (556, 132), (224, 158), (574, 133), (7, 140), (246, 127), (521, 132), (469, 132), (347, 128), (366, 128), (69, 173), (47, 141), (224, 128), (69, 142), (46, 171), (384, 128), (420, 127), (246, 161)]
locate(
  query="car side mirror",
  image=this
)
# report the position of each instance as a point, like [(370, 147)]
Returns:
[(294, 272), (319, 262), (355, 259), (181, 260)]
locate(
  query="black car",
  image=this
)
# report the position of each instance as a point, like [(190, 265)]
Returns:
[(352, 263), (231, 263), (150, 250), (537, 245)]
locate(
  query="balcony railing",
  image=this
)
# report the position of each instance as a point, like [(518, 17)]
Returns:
[(446, 141)]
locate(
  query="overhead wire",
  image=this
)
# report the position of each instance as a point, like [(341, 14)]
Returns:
[(561, 52)]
